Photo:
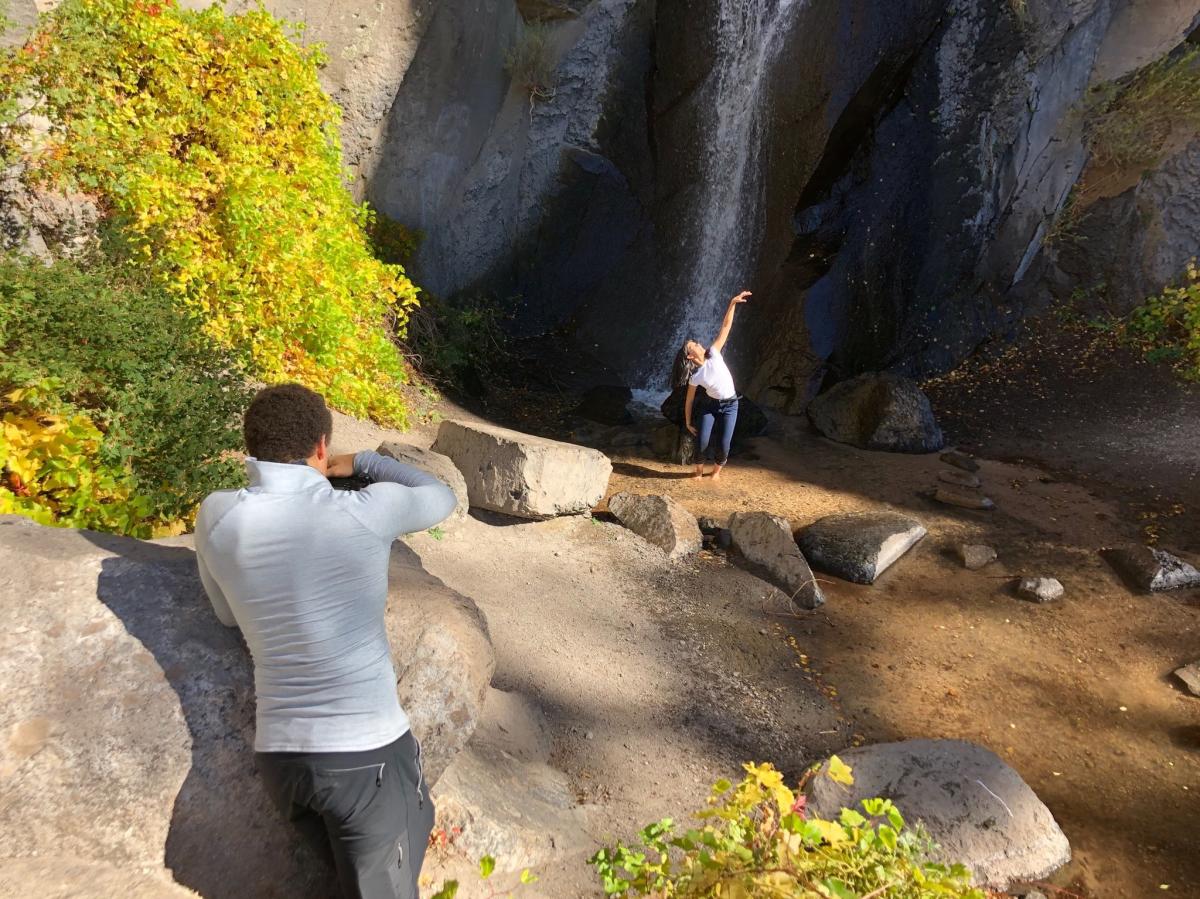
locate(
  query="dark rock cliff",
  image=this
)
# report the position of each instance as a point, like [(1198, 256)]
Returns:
[(884, 176)]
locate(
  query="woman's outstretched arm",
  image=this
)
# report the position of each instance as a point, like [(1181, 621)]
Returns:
[(687, 408), (727, 324)]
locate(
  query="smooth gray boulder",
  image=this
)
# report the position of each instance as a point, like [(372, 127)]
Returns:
[(878, 411), (523, 475), (522, 812), (1189, 676), (767, 543), (1151, 570), (660, 520), (444, 659), (436, 464), (976, 555), (976, 808), (1040, 589), (117, 676), (859, 546)]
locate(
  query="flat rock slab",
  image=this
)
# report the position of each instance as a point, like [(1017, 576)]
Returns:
[(976, 808), (522, 813), (878, 411), (976, 555), (523, 475), (1189, 676), (441, 467), (959, 459), (767, 543), (959, 478), (1040, 589), (859, 546), (963, 499), (659, 520), (1151, 570)]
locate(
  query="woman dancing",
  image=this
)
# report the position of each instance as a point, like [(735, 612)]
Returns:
[(716, 408)]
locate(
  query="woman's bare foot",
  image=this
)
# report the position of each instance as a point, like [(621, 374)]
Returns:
[(699, 471), (716, 475)]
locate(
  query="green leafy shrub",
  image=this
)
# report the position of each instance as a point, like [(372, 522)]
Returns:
[(118, 413), (757, 841), (457, 343), (1128, 123), (530, 62), (216, 153), (1167, 326)]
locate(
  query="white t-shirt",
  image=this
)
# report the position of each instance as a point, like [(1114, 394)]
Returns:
[(714, 377)]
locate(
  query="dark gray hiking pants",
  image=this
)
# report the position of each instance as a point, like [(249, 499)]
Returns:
[(371, 810)]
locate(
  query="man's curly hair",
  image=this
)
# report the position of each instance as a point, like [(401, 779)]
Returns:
[(284, 423)]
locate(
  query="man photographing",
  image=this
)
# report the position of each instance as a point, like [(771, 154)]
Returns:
[(301, 568)]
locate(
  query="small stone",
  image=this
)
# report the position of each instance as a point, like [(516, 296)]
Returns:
[(959, 459), (708, 525), (1040, 589), (1190, 676), (960, 478), (975, 555), (589, 736), (962, 499)]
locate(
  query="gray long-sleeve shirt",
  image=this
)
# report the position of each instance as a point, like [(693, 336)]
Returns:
[(302, 568)]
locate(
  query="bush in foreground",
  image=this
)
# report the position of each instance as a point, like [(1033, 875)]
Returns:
[(758, 842), (117, 413)]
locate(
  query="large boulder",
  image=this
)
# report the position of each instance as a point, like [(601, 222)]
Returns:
[(436, 464), (878, 411), (523, 475), (64, 877), (522, 812), (444, 659), (128, 719), (766, 542), (976, 808), (1150, 570), (659, 520), (859, 546)]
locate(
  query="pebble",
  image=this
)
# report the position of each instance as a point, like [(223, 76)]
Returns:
[(1040, 589), (976, 555)]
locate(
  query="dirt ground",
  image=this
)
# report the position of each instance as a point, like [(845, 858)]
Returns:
[(680, 672)]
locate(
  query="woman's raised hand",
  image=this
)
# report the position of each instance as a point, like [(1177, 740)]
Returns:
[(741, 297)]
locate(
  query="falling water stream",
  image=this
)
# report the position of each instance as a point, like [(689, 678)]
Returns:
[(726, 224)]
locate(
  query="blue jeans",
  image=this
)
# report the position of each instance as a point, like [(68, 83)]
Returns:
[(719, 415)]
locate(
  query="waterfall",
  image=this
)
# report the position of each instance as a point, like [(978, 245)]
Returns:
[(725, 228)]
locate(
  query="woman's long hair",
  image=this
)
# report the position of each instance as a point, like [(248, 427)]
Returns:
[(682, 369)]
